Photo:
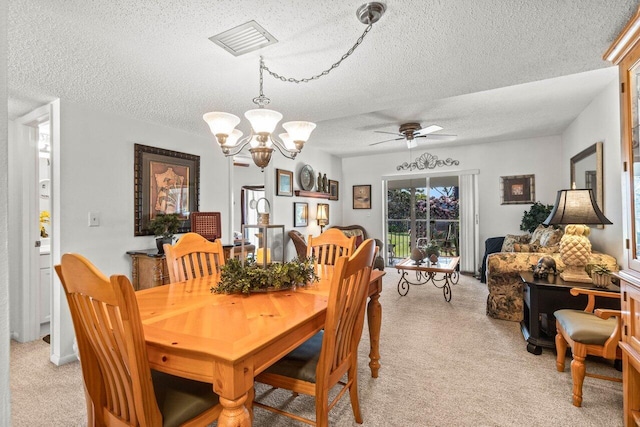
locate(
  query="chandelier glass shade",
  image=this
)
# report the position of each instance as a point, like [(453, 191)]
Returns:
[(261, 140)]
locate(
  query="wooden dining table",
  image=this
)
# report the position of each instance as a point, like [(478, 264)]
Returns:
[(227, 339)]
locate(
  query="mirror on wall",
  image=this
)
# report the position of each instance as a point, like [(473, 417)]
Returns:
[(586, 172)]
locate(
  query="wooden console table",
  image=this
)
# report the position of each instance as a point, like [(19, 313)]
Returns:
[(149, 268), (542, 297)]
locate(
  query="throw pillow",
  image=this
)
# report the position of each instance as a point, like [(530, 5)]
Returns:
[(511, 239), (551, 237), (358, 240), (537, 233)]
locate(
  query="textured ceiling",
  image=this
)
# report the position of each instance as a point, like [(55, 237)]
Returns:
[(467, 66)]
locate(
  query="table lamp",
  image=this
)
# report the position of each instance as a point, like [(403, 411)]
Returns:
[(322, 215), (575, 209)]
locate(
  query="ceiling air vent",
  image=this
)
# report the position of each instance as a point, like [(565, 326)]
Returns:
[(244, 38)]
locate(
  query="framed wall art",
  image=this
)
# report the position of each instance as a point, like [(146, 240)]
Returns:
[(333, 189), (165, 182), (284, 183), (361, 197), (517, 190), (300, 214)]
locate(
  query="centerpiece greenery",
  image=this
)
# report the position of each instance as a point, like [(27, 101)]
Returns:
[(251, 277)]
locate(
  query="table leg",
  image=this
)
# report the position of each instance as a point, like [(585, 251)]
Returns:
[(374, 319), (234, 413)]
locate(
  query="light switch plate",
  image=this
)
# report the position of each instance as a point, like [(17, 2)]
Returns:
[(94, 219)]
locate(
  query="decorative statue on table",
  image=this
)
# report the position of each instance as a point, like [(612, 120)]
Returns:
[(545, 266), (325, 186)]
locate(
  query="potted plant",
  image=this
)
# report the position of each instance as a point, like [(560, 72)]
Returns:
[(164, 227), (535, 216), (600, 275), (247, 277)]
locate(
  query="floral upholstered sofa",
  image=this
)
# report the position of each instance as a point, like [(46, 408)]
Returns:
[(505, 299)]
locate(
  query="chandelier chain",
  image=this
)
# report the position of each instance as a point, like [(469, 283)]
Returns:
[(317, 76)]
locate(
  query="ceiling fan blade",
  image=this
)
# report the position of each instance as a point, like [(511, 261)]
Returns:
[(439, 137), (390, 133), (428, 129), (386, 140)]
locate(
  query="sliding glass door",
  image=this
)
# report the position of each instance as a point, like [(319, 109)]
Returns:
[(422, 212)]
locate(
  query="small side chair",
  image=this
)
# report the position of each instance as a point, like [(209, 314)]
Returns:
[(327, 247), (193, 256), (588, 332)]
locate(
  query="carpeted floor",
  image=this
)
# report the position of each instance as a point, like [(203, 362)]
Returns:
[(443, 364)]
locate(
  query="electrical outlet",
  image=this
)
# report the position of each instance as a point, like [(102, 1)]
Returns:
[(94, 219)]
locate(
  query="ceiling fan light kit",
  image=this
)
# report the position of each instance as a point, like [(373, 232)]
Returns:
[(264, 121)]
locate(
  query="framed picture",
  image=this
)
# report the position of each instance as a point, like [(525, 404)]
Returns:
[(164, 182), (284, 183), (517, 190), (361, 197), (333, 190), (300, 214)]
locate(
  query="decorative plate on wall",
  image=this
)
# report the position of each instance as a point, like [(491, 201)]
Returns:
[(306, 178)]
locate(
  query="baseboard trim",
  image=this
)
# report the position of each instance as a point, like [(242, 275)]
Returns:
[(62, 360)]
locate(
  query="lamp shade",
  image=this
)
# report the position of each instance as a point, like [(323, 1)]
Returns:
[(576, 207), (288, 142), (233, 138), (299, 131), (221, 123), (322, 213), (263, 120)]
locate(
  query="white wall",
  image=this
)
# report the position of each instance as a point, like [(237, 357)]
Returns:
[(93, 171), (282, 206), (96, 174), (600, 121), (538, 156), (5, 407)]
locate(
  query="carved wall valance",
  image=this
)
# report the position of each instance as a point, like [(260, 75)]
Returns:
[(427, 161)]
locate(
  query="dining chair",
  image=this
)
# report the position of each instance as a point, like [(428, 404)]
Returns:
[(299, 243), (121, 387), (319, 364), (328, 246), (207, 224), (193, 256), (588, 332)]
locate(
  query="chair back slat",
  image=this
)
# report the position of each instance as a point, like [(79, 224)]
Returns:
[(329, 246), (345, 311), (193, 256), (111, 344)]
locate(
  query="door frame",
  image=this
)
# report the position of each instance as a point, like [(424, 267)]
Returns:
[(25, 191)]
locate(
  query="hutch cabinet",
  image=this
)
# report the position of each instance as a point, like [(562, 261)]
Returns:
[(625, 52)]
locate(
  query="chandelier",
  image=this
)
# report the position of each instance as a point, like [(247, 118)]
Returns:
[(263, 121)]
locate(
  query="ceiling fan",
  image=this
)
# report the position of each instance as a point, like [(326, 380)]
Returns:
[(411, 131)]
